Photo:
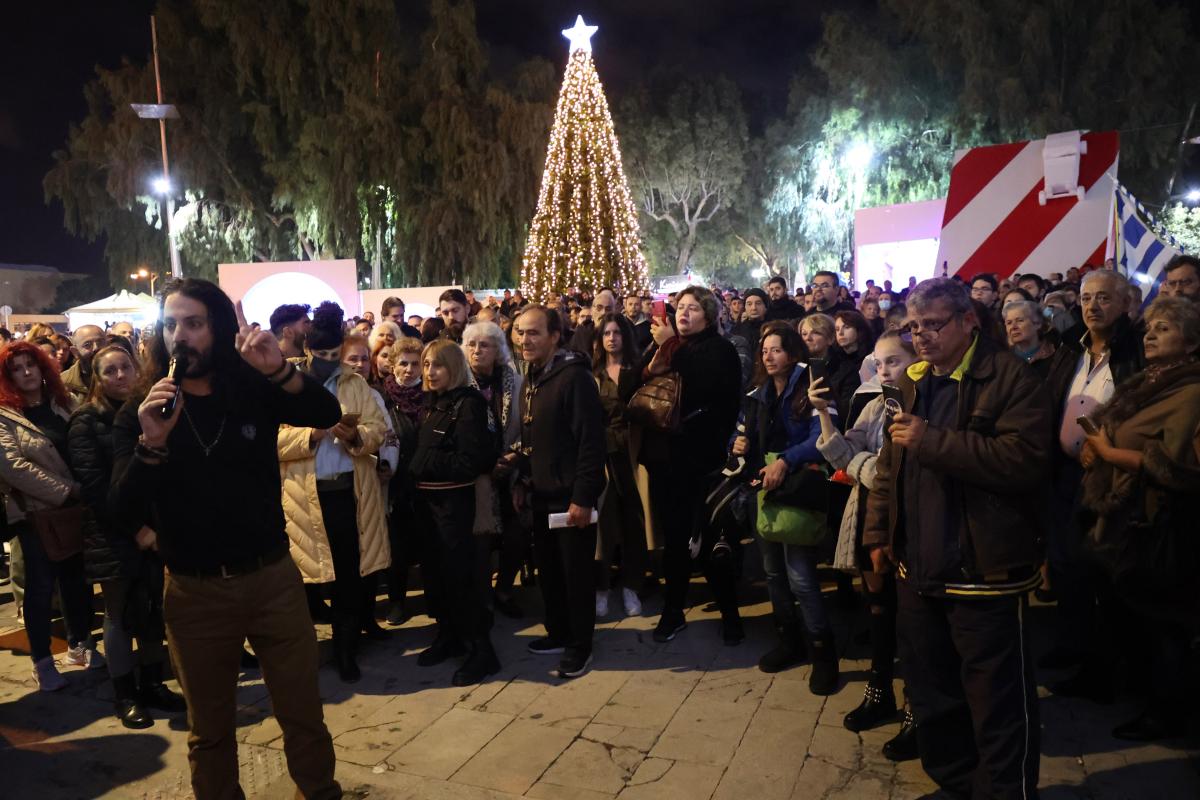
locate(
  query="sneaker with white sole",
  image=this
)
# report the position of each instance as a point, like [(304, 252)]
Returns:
[(84, 655), (46, 674), (601, 604), (545, 646), (633, 604), (574, 664)]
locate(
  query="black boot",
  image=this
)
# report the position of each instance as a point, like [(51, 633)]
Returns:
[(479, 664), (788, 653), (903, 746), (732, 632), (878, 706), (154, 694), (445, 645), (823, 680), (126, 705), (345, 652)]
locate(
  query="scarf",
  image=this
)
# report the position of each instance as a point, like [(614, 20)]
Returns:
[(406, 399)]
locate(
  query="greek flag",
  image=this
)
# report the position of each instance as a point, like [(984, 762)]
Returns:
[(1143, 247)]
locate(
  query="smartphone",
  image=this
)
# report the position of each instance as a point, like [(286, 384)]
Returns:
[(1089, 427), (660, 309), (817, 369), (350, 420), (893, 403)]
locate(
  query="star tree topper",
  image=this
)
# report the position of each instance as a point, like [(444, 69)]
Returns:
[(580, 35)]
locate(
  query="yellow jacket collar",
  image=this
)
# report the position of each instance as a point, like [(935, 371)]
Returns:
[(917, 369)]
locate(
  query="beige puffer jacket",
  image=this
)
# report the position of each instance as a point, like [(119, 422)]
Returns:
[(31, 465), (301, 508)]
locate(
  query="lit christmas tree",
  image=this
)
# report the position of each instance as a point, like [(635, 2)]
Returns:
[(585, 230)]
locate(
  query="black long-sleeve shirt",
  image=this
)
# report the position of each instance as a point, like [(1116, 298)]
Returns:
[(223, 508)]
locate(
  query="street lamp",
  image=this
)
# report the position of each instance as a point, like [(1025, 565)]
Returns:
[(143, 274), (162, 112)]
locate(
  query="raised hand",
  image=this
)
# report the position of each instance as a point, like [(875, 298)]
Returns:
[(259, 349)]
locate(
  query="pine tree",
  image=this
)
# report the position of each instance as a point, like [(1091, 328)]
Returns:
[(585, 230)]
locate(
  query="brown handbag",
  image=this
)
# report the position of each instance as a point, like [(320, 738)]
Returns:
[(655, 404), (60, 529)]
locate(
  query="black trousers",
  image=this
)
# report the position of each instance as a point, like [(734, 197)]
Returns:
[(403, 541), (567, 577), (450, 562), (622, 526), (970, 681), (514, 542), (677, 503), (340, 514)]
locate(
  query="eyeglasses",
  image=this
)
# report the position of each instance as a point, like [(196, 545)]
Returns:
[(822, 286), (1181, 283), (928, 330)]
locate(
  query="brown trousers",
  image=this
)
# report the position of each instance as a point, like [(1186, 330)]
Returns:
[(207, 621)]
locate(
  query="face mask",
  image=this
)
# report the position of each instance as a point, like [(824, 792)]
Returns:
[(322, 368), (1048, 312), (885, 304)]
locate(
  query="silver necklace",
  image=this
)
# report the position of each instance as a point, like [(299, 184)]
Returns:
[(207, 448)]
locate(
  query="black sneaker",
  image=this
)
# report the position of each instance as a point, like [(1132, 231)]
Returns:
[(574, 664), (545, 646), (396, 614), (668, 627)]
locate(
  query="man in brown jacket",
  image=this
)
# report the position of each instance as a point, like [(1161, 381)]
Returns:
[(953, 510)]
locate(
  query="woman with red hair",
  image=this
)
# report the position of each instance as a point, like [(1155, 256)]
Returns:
[(34, 477)]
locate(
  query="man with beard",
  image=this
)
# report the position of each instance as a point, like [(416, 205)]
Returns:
[(454, 309), (78, 379), (781, 306), (639, 321), (290, 325), (825, 287), (212, 485)]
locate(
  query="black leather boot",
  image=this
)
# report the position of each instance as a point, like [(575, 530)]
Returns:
[(479, 664), (823, 680), (878, 706), (126, 705), (154, 694), (903, 746), (788, 653), (445, 645), (345, 651)]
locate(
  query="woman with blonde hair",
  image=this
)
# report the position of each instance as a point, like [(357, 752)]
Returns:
[(455, 445)]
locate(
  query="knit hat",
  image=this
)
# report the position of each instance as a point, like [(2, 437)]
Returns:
[(756, 292), (327, 329)]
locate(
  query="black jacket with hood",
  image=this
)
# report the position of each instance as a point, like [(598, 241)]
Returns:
[(563, 432)]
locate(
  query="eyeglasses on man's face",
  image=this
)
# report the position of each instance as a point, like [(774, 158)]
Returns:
[(927, 329)]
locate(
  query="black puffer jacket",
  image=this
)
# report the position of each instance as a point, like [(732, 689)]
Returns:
[(455, 441), (110, 551)]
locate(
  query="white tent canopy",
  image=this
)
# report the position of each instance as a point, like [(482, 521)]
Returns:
[(140, 309)]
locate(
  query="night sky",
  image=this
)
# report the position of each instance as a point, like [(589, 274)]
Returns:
[(51, 50)]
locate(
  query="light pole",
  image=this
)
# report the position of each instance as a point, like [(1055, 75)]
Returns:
[(143, 274), (162, 112)]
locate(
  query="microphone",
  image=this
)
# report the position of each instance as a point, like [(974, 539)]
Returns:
[(176, 369)]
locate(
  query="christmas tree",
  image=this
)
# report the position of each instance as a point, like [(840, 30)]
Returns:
[(585, 230)]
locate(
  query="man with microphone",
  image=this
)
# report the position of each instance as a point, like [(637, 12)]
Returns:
[(207, 474)]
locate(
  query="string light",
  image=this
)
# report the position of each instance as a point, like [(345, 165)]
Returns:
[(585, 230)]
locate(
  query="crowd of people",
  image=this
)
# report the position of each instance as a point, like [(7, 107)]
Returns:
[(953, 447)]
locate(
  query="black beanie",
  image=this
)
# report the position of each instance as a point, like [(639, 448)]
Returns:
[(759, 293), (327, 329)]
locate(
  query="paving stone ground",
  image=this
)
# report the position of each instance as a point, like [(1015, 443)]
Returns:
[(688, 719)]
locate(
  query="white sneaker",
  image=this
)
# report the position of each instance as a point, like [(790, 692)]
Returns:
[(46, 675), (633, 605), (83, 655), (601, 604)]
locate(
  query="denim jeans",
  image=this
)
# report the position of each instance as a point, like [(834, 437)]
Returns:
[(791, 580), (40, 576)]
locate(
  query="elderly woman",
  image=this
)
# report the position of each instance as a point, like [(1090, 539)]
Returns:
[(500, 384), (1142, 475), (682, 463), (1025, 327)]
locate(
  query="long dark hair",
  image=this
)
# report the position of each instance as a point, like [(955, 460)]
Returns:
[(628, 351), (227, 365)]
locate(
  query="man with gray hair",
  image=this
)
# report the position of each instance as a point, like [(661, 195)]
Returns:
[(954, 507), (1095, 357), (87, 339)]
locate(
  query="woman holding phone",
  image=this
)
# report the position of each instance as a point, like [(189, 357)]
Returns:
[(341, 538), (855, 452)]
